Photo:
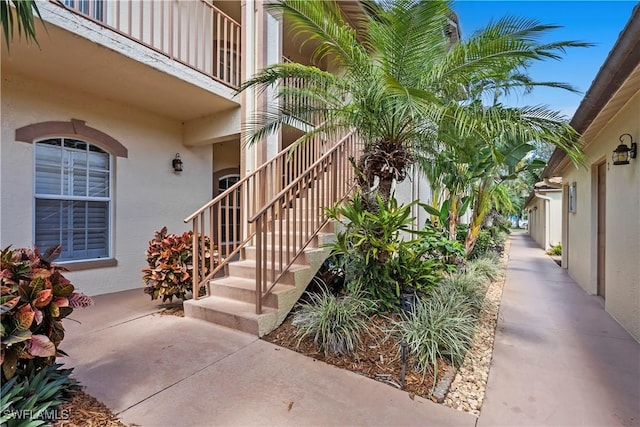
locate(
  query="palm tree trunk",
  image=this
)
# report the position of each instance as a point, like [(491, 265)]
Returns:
[(384, 188), (454, 214), (481, 206)]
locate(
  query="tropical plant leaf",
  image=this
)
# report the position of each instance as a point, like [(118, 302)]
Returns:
[(43, 298), (24, 317), (77, 299), (41, 346), (17, 335), (9, 304), (10, 363), (52, 253)]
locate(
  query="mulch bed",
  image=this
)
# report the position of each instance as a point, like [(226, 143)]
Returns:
[(378, 356), (86, 411), (173, 311)]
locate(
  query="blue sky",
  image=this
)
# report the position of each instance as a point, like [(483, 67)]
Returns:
[(597, 22)]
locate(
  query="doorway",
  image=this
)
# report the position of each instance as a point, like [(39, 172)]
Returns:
[(601, 221)]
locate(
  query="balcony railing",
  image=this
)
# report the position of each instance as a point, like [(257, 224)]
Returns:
[(194, 33), (298, 85)]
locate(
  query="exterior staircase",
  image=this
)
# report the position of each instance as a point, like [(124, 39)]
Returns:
[(231, 300), (280, 235)]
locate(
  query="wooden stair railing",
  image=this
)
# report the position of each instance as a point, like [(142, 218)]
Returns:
[(291, 220), (220, 227)]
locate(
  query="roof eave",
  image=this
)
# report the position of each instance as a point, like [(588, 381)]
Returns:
[(620, 63)]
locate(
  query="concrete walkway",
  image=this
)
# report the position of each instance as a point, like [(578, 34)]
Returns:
[(559, 359), (155, 370)]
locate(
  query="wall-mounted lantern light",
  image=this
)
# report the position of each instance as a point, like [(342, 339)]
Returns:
[(623, 153), (177, 163)]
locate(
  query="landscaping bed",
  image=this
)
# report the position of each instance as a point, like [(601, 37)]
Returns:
[(86, 410), (378, 356)]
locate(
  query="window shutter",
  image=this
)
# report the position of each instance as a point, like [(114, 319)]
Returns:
[(72, 198)]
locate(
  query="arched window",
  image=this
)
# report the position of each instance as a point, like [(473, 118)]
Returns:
[(73, 198)]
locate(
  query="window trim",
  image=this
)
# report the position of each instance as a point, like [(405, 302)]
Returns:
[(86, 263), (72, 129)]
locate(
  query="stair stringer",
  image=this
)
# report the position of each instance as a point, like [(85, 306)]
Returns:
[(287, 299), (238, 313)]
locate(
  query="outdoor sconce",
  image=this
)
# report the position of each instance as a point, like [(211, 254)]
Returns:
[(623, 153), (177, 163)]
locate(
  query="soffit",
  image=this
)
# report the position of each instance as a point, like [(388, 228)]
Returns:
[(629, 88), (66, 59), (618, 101)]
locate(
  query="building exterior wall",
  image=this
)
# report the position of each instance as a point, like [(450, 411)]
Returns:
[(146, 193), (555, 218), (545, 218), (622, 266), (537, 221), (414, 187)]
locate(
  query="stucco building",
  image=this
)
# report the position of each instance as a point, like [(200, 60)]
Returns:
[(97, 120), (601, 202), (544, 207)]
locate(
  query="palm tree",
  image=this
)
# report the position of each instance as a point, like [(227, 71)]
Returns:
[(18, 16), (472, 171), (401, 82)]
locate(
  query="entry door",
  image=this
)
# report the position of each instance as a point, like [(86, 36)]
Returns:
[(602, 217)]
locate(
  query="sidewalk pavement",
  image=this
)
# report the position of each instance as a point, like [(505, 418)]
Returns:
[(559, 360), (163, 370)]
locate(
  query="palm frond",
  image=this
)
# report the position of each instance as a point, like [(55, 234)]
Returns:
[(18, 16)]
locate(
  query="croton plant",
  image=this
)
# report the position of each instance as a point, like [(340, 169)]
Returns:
[(35, 298), (170, 264)]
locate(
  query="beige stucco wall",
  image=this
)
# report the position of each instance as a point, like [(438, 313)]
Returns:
[(622, 225), (147, 194), (226, 155), (537, 222), (414, 187), (545, 218)]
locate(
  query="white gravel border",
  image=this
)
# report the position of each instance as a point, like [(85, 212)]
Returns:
[(468, 387)]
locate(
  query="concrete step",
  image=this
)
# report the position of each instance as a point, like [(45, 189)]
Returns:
[(319, 240), (232, 299), (246, 269), (303, 259), (232, 314), (299, 225), (244, 290)]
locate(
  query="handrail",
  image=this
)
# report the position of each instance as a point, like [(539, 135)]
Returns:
[(220, 219), (194, 33), (296, 214)]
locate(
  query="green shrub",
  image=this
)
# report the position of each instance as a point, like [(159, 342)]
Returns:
[(35, 297), (468, 286), (483, 245), (31, 400), (170, 265), (434, 243), (414, 271), (555, 250), (486, 266), (334, 322), (382, 263), (499, 239), (330, 276), (439, 327), (371, 244), (490, 240), (501, 224)]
